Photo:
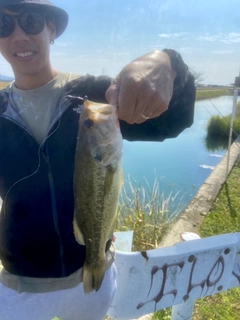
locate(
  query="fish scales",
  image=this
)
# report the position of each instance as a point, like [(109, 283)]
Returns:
[(97, 184)]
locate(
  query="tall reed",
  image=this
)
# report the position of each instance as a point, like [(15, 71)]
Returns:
[(147, 213)]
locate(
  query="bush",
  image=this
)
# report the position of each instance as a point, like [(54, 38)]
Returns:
[(219, 127)]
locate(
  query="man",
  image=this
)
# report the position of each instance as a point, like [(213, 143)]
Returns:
[(39, 112)]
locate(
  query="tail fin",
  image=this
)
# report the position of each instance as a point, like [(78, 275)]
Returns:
[(93, 277)]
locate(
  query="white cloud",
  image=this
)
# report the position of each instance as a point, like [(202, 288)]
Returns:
[(233, 37), (209, 38), (228, 38), (172, 35), (222, 52), (164, 35)]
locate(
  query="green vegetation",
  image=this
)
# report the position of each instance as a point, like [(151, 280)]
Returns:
[(225, 213), (147, 213), (218, 130), (209, 93), (219, 126), (223, 218)]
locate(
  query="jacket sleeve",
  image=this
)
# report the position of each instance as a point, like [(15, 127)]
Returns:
[(92, 87), (169, 124)]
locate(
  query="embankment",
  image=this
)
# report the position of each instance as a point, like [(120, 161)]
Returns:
[(201, 204)]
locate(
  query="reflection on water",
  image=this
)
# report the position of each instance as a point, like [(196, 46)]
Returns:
[(216, 143), (182, 164)]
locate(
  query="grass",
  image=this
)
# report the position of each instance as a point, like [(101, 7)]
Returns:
[(223, 306), (224, 217), (147, 213), (209, 93), (225, 213)]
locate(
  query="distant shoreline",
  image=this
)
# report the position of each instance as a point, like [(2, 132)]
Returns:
[(209, 93)]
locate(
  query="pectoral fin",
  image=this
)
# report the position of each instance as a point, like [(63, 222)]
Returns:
[(78, 234)]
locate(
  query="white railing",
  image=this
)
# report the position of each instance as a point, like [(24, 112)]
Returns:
[(175, 276)]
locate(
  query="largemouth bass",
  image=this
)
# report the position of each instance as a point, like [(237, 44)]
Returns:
[(97, 184)]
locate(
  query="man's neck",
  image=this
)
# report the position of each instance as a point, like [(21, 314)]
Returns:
[(29, 82)]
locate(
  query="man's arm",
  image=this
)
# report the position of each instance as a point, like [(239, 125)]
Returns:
[(155, 95), (143, 88), (170, 123), (154, 86)]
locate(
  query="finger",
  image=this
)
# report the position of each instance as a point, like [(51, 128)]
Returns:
[(143, 109), (112, 93), (142, 119), (150, 112), (127, 103), (136, 96), (148, 103), (144, 116)]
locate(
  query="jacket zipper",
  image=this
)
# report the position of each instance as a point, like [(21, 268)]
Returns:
[(54, 209)]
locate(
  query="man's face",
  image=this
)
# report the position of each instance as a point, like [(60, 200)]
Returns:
[(28, 54)]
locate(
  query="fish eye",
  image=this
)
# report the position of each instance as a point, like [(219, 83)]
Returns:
[(89, 123)]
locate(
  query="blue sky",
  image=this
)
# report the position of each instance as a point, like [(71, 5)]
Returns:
[(104, 35)]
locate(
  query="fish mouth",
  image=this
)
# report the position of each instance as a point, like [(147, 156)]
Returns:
[(100, 109)]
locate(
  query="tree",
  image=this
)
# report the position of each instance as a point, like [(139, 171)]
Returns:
[(199, 76)]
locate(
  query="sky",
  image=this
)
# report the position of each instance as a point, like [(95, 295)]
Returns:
[(104, 35)]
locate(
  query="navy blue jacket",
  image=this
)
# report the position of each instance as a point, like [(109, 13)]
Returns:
[(36, 184)]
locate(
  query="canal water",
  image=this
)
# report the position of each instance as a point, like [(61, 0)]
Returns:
[(179, 166)]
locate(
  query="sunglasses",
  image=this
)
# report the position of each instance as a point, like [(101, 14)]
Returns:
[(29, 22)]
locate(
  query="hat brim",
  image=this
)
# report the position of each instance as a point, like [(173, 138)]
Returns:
[(59, 15), (61, 19)]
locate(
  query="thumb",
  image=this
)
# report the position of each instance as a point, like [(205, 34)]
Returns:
[(112, 93)]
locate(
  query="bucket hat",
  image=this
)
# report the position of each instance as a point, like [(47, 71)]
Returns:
[(60, 15)]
